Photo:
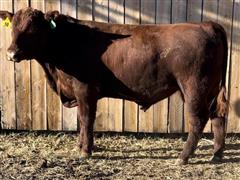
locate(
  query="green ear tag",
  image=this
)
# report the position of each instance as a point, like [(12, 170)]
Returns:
[(52, 24)]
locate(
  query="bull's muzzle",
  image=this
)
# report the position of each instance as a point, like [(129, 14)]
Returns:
[(12, 56)]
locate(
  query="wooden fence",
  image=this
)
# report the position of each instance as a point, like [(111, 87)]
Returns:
[(27, 102)]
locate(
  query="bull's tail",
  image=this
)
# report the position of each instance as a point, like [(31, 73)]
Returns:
[(222, 104)]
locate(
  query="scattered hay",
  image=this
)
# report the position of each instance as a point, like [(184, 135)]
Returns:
[(56, 156)]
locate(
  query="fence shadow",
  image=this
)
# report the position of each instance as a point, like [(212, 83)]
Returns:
[(237, 107)]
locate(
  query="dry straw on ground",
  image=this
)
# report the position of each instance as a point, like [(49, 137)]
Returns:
[(56, 156)]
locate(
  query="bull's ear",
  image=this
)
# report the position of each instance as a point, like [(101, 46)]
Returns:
[(6, 14), (51, 17)]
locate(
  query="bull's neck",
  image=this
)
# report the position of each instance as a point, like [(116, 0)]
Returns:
[(71, 43), (76, 38)]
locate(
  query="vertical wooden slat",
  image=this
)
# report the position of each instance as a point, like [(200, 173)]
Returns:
[(100, 14), (225, 19), (7, 96), (38, 83), (160, 110), (194, 11), (115, 120), (69, 114), (194, 14), (147, 17), (132, 14), (23, 80), (1, 85), (210, 10), (234, 85), (54, 107), (1, 95), (179, 8), (84, 11), (100, 10), (225, 14), (163, 12)]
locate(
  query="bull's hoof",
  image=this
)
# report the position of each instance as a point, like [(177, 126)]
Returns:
[(216, 159), (84, 155), (80, 145), (181, 162)]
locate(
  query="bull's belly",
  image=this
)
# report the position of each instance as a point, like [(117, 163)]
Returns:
[(144, 97)]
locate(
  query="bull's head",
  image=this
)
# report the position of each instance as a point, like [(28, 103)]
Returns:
[(30, 30)]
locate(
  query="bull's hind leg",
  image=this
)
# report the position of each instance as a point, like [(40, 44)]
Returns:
[(81, 135), (198, 114), (218, 125), (218, 112)]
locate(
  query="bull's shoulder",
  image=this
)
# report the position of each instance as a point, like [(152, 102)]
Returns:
[(50, 73)]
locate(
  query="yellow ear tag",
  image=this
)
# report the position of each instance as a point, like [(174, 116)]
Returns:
[(7, 23)]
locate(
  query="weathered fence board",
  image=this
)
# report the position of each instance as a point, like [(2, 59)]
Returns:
[(132, 16), (147, 17), (160, 110), (69, 115), (54, 107), (176, 108), (38, 82), (194, 14), (210, 12), (100, 13), (116, 15), (7, 74), (27, 102), (225, 11), (234, 80), (23, 91), (84, 9)]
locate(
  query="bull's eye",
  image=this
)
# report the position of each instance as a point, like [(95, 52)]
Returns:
[(20, 40), (23, 41)]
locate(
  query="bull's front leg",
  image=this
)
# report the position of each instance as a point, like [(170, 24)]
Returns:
[(86, 117)]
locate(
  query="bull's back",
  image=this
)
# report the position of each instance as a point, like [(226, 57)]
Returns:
[(154, 50)]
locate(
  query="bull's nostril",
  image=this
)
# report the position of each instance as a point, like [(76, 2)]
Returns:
[(10, 55)]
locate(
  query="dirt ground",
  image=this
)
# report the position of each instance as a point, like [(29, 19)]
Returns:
[(117, 156)]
